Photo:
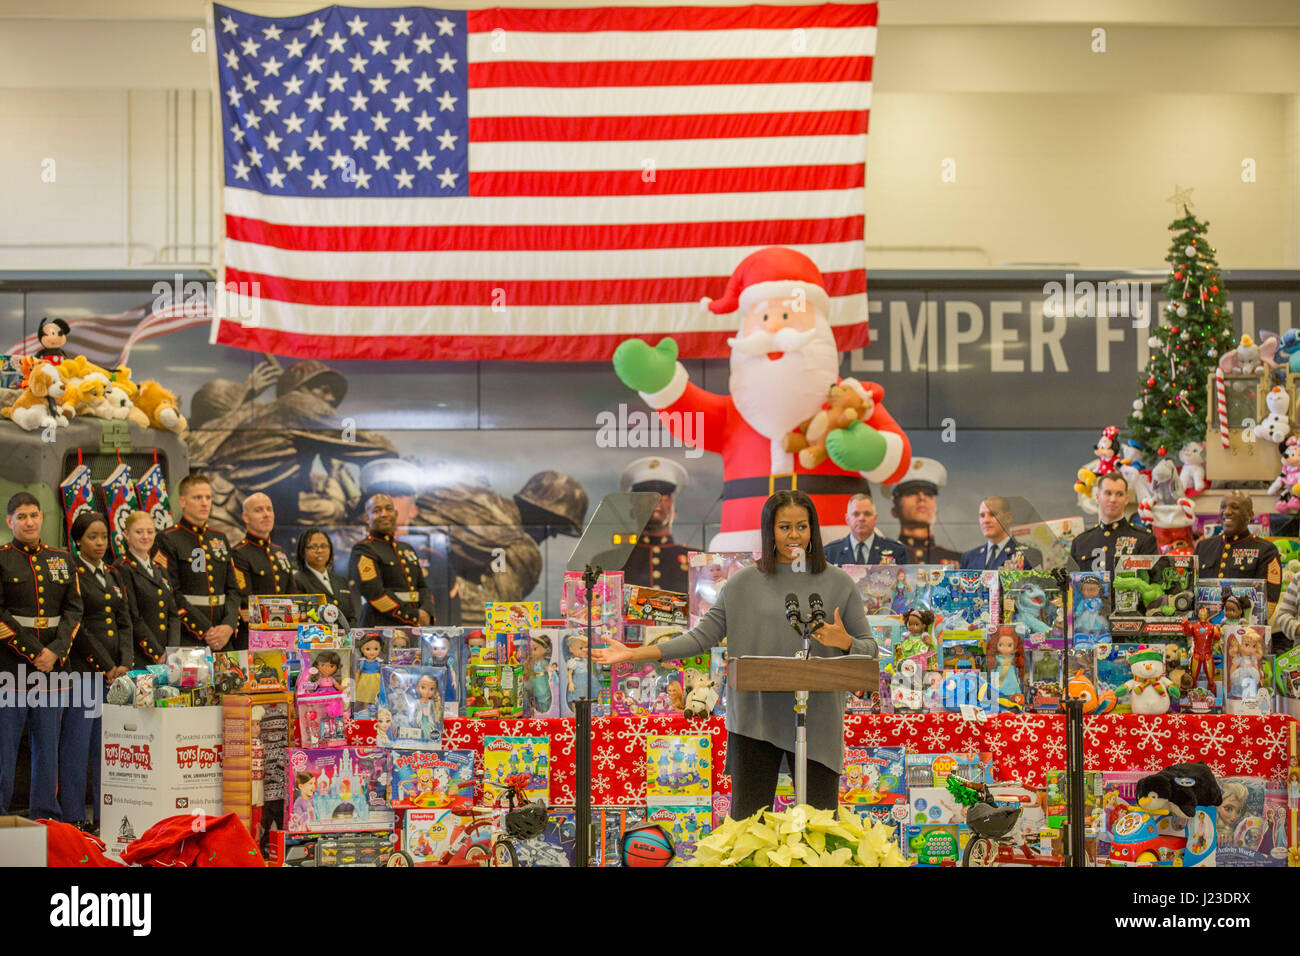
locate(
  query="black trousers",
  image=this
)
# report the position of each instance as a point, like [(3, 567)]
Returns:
[(754, 766)]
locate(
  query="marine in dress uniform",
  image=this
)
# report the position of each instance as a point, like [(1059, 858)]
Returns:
[(261, 567), (925, 478), (40, 609), (154, 612), (197, 561), (1107, 540), (387, 571), (657, 561), (1238, 554)]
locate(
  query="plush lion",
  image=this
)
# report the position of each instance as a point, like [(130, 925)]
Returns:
[(160, 408), (843, 406)]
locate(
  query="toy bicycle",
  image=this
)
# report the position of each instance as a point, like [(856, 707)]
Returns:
[(997, 839), (473, 842)]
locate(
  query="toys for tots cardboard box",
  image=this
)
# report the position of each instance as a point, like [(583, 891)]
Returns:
[(157, 763)]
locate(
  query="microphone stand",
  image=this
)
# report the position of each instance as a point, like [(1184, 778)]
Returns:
[(805, 629), (582, 741)]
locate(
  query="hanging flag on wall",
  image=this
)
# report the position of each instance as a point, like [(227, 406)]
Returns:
[(532, 184)]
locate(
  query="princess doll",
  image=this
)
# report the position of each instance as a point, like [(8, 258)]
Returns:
[(1006, 663), (366, 691)]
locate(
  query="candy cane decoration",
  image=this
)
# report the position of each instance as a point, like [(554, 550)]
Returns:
[(1221, 393), (1189, 510)]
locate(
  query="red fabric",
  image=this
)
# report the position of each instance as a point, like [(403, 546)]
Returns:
[(65, 845), (1025, 745), (195, 840)]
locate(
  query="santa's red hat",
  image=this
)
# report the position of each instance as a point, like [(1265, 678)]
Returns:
[(773, 273)]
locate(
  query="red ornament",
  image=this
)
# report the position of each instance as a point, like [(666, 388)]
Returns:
[(1161, 451), (1178, 274), (1214, 289), (1151, 383), (1173, 329)]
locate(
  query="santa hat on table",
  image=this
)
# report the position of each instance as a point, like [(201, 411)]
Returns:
[(772, 273)]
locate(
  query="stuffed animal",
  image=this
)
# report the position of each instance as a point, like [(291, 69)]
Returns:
[(844, 405), (1287, 484), (1149, 690), (160, 407), (1192, 474), (701, 696), (1180, 788), (1106, 462), (86, 385), (121, 395), (1276, 425), (1248, 358), (40, 404)]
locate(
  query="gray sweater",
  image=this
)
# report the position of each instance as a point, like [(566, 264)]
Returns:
[(750, 613)]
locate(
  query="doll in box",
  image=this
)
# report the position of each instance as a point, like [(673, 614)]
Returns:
[(1245, 658), (412, 696), (1006, 663), (544, 671), (919, 640), (370, 651), (576, 681)]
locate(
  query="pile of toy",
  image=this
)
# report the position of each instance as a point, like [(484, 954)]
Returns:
[(188, 678), (1151, 638)]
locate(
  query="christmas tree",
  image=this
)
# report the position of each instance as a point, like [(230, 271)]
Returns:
[(1185, 346)]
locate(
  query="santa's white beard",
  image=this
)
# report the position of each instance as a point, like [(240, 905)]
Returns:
[(774, 397)]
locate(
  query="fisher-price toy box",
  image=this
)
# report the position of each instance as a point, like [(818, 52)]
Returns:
[(157, 763), (679, 770)]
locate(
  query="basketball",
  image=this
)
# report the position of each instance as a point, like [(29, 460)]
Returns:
[(646, 845)]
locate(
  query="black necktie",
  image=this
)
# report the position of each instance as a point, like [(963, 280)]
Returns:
[(861, 557), (988, 558)]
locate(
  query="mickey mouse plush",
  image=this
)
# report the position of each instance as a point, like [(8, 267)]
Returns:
[(1180, 788)]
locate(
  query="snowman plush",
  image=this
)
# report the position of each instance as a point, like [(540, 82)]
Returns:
[(1149, 691), (1276, 426)]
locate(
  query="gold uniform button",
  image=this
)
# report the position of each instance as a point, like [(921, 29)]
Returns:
[(41, 589), (654, 560), (162, 603), (110, 632), (40, 577), (656, 574)]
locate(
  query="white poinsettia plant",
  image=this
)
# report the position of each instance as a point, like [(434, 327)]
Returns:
[(801, 836)]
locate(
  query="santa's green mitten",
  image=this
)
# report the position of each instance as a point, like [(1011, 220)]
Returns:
[(643, 368), (856, 448)]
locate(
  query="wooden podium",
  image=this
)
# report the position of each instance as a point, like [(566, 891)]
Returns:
[(803, 675)]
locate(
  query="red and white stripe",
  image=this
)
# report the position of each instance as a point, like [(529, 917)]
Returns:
[(756, 135), (107, 340)]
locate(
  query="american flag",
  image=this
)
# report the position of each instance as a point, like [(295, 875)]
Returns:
[(532, 184), (107, 340)]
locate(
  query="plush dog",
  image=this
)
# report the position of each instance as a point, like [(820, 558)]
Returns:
[(844, 405), (40, 404), (160, 408), (1180, 788)]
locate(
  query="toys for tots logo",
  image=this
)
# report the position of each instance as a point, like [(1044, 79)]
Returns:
[(204, 757), (134, 756)]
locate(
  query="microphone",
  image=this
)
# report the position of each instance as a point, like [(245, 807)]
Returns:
[(816, 609), (792, 611)]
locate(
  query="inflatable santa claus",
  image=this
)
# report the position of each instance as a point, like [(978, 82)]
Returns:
[(783, 363)]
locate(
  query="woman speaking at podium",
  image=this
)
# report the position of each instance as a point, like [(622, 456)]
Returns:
[(751, 614)]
